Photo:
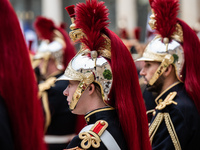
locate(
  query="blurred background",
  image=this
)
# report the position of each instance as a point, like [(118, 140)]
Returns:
[(128, 18)]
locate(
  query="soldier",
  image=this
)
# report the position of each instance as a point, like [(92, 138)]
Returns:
[(21, 125), (171, 62), (52, 57), (103, 85)]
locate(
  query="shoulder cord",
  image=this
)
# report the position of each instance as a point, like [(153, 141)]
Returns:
[(46, 109), (170, 127)]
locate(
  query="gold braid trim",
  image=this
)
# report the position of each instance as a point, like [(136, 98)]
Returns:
[(170, 127), (168, 101), (44, 95), (92, 137), (154, 126), (46, 110), (46, 85), (159, 118), (88, 140), (150, 111), (172, 131)]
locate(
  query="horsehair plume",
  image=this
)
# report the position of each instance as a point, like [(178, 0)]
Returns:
[(42, 23), (91, 18), (166, 12), (150, 2)]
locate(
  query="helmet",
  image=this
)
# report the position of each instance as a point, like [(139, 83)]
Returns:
[(55, 44), (172, 53), (90, 64), (166, 47), (88, 69)]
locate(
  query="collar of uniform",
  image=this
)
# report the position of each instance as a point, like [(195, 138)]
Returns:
[(97, 114), (166, 92)]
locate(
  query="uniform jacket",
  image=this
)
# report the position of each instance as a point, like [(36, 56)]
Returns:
[(183, 121), (108, 115)]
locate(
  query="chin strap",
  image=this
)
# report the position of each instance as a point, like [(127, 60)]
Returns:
[(168, 59)]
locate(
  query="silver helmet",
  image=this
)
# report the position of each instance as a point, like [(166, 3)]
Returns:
[(89, 69), (171, 53), (47, 50)]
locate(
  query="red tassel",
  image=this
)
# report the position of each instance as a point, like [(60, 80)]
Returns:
[(70, 10)]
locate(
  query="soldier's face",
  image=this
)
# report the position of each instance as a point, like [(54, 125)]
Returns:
[(69, 91), (81, 106), (148, 70)]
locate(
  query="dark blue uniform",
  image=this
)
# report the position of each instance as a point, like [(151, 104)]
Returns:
[(185, 119), (6, 137), (63, 122), (110, 116)]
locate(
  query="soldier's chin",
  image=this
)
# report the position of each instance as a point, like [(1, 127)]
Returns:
[(157, 86), (152, 88)]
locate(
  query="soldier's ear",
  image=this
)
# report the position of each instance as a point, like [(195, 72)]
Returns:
[(168, 70), (91, 89)]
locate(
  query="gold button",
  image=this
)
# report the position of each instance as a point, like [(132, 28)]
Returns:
[(88, 119), (102, 123)]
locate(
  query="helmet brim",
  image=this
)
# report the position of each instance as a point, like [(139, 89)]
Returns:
[(63, 77), (144, 59)]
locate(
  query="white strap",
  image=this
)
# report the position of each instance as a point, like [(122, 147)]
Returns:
[(58, 139), (106, 138)]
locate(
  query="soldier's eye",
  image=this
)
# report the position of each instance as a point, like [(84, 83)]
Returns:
[(147, 65)]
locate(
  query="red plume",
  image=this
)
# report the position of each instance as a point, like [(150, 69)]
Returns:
[(190, 72), (150, 2), (126, 95), (166, 12), (70, 10), (91, 19), (44, 27), (18, 86)]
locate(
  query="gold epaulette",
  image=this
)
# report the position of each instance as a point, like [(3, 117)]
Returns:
[(46, 85), (92, 137), (166, 117)]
